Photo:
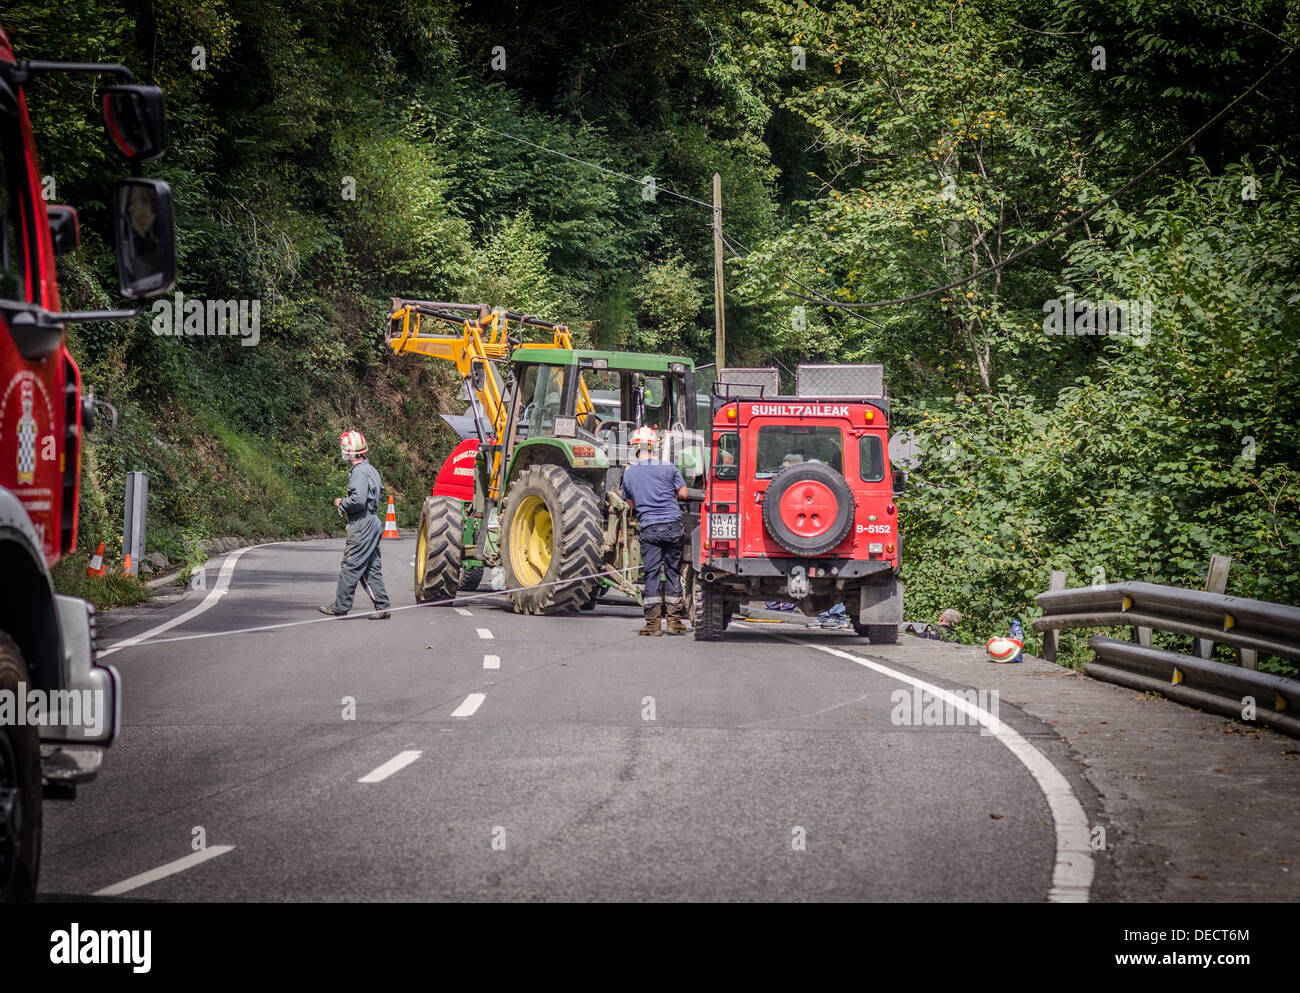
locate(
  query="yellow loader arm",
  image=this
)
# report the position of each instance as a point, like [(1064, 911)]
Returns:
[(483, 339)]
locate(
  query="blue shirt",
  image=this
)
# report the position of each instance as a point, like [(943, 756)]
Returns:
[(652, 485)]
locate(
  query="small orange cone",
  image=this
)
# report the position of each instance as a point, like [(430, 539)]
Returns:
[(390, 523), (126, 566), (96, 567)]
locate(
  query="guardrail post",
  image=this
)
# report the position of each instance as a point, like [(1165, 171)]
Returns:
[(1216, 581), (1057, 582), (133, 523)]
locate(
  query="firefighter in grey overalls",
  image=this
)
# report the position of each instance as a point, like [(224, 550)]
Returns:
[(361, 556)]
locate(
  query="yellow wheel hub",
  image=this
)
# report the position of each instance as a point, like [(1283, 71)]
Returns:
[(421, 550), (531, 541)]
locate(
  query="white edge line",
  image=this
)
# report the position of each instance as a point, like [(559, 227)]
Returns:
[(491, 661), (471, 704), (1073, 872), (163, 871), (218, 590), (395, 764)]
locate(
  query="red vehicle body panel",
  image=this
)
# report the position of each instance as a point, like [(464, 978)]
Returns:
[(40, 412), (875, 515), (456, 477)]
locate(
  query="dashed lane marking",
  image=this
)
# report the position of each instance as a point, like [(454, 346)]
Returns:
[(163, 871), (395, 764), (471, 704)]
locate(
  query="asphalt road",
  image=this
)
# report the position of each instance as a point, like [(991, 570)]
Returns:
[(589, 764)]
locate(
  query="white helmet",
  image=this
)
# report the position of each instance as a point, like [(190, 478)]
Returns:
[(644, 437), (351, 445)]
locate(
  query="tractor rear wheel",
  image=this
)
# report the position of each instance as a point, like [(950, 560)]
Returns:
[(711, 614), (438, 549), (551, 531)]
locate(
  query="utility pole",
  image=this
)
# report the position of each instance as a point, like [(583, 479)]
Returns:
[(719, 308)]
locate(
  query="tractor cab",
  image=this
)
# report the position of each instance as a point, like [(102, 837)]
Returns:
[(579, 408)]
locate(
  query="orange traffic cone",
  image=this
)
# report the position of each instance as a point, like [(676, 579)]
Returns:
[(390, 523), (96, 567), (126, 566)]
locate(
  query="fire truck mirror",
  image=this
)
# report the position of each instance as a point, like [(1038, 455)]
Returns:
[(146, 238), (900, 481), (65, 232), (133, 117)]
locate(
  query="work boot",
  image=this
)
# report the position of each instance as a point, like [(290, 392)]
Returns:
[(380, 615), (675, 610), (651, 625), (332, 611)]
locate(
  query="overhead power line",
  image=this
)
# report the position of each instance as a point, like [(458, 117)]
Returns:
[(572, 158)]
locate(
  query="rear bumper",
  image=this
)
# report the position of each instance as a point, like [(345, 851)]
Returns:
[(779, 568)]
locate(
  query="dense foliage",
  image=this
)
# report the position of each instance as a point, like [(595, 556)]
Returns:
[(865, 154)]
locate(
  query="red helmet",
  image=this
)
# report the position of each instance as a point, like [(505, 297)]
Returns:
[(351, 445)]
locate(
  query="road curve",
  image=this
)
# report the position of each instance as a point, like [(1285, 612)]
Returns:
[(478, 754)]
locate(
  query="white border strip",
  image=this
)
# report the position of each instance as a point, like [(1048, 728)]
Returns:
[(1072, 875), (163, 871)]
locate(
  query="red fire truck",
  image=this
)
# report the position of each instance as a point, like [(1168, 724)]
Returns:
[(800, 500), (58, 708)]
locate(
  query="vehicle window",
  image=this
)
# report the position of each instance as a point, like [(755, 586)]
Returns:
[(527, 386), (548, 397), (14, 210), (654, 409), (783, 445), (726, 457), (605, 388), (871, 458)]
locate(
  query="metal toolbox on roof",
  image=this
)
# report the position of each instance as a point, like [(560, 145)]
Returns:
[(867, 380), (748, 383)]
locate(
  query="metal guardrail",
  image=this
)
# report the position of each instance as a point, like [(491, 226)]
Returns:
[(1251, 626)]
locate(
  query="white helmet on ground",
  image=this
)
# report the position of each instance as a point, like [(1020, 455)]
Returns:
[(351, 445)]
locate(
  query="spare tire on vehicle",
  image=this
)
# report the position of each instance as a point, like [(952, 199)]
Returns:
[(808, 508)]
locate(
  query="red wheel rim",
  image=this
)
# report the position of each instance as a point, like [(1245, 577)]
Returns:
[(808, 508)]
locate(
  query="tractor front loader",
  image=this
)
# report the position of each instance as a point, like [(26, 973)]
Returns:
[(534, 485)]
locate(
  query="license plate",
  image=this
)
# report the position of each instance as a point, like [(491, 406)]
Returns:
[(723, 526)]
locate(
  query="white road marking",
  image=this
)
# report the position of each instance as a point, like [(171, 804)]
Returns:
[(471, 704), (462, 611), (395, 764), (163, 871), (491, 661), (1072, 876), (219, 589), (485, 634)]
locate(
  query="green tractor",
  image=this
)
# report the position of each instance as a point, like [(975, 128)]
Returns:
[(535, 485)]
